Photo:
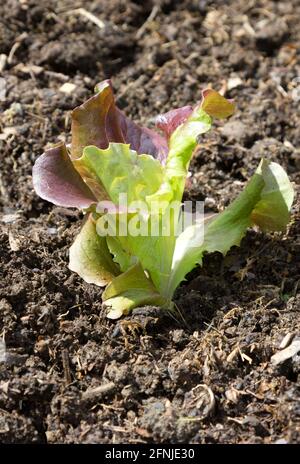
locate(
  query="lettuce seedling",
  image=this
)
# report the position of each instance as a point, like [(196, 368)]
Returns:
[(109, 157)]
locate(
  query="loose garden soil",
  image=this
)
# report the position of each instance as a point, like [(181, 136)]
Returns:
[(69, 375)]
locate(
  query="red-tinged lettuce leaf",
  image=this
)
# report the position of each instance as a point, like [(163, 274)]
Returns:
[(169, 121), (90, 257), (56, 180), (98, 122), (216, 105), (144, 140)]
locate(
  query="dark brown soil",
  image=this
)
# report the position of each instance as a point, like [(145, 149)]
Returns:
[(72, 376)]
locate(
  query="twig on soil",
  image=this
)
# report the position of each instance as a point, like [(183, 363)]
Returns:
[(98, 392), (249, 392), (45, 130), (3, 60), (3, 189), (232, 354), (87, 14), (244, 356), (116, 428), (3, 348), (263, 11), (210, 326), (36, 116), (178, 312), (248, 28), (237, 421), (110, 407), (15, 47), (150, 18), (61, 316), (13, 50), (66, 366), (60, 76)]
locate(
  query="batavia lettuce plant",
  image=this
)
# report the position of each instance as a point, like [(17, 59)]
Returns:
[(110, 155)]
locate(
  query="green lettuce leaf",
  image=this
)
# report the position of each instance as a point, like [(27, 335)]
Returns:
[(122, 257), (216, 105), (272, 212), (90, 257), (156, 253), (129, 290), (265, 202), (122, 170)]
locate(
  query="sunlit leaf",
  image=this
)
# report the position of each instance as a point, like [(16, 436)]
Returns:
[(265, 201), (56, 180), (129, 290), (216, 105), (90, 257), (99, 122), (122, 170)]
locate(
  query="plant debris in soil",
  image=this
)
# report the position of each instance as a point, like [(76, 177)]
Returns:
[(229, 371)]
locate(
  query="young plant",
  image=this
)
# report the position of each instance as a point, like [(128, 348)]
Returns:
[(136, 248)]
